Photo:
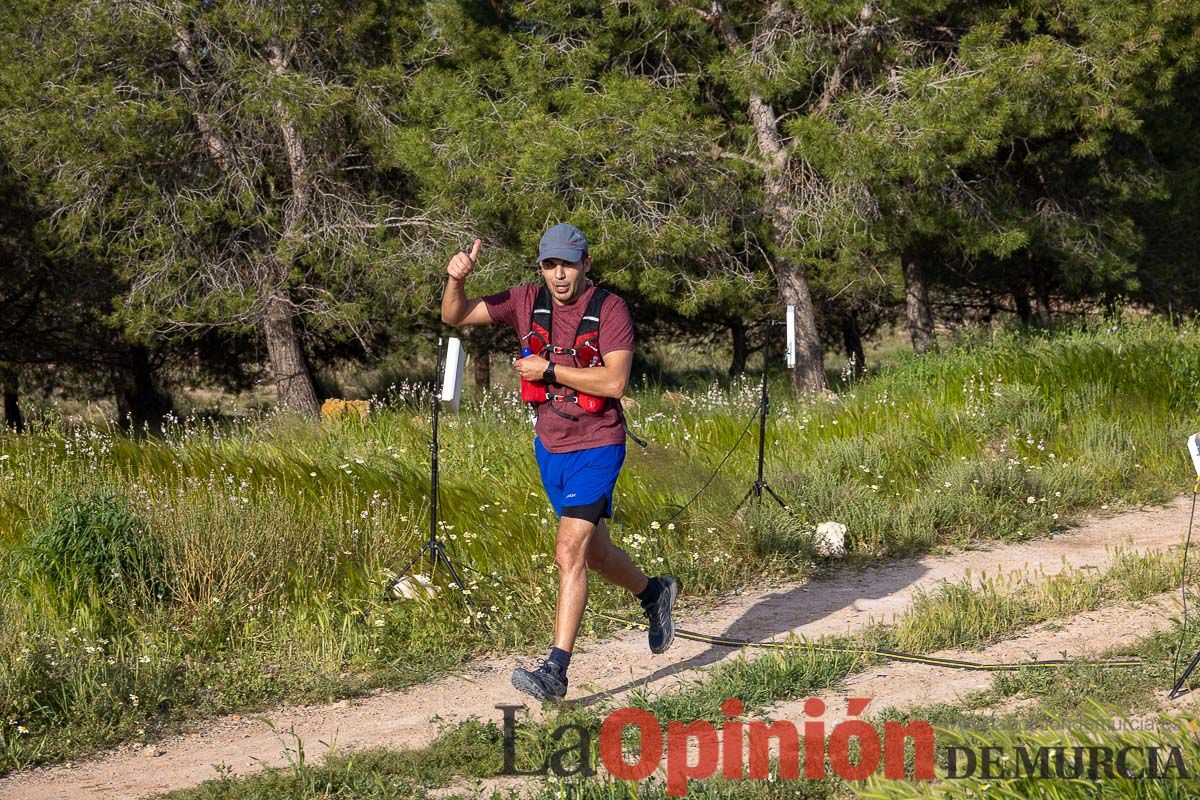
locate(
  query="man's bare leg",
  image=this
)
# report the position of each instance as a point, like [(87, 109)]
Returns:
[(570, 553), (582, 545), (618, 568), (549, 681), (613, 563)]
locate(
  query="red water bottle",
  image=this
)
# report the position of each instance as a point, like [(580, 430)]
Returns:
[(532, 391)]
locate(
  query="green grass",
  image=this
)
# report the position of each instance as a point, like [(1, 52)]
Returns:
[(272, 537), (968, 612)]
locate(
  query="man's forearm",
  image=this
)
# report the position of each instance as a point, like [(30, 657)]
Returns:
[(596, 381), (454, 301)]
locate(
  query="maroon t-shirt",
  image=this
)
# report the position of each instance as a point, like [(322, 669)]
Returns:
[(559, 435)]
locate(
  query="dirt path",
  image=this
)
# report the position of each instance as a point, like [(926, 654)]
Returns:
[(841, 604)]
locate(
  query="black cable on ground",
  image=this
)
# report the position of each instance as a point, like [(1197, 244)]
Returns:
[(950, 663)]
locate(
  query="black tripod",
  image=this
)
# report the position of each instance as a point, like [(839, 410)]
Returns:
[(1178, 689), (764, 406), (434, 547)]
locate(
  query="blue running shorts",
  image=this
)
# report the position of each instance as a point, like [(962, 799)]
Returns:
[(577, 482)]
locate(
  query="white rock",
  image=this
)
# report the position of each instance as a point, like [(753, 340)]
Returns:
[(831, 539), (873, 605), (415, 587)]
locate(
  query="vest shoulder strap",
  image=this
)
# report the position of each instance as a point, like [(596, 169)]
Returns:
[(589, 324), (542, 316)]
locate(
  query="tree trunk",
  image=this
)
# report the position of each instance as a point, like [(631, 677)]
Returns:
[(293, 382), (140, 402), (480, 343), (1044, 310), (293, 379), (853, 343), (294, 212), (1021, 300), (482, 371), (809, 374), (11, 381), (218, 149), (741, 346), (916, 302)]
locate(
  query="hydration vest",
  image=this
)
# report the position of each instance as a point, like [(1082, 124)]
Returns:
[(585, 349)]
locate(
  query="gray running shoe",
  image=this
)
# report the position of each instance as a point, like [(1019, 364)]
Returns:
[(547, 682), (662, 627)]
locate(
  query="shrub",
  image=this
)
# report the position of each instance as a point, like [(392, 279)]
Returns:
[(95, 543)]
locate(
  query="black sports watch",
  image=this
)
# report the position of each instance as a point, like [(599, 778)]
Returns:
[(548, 375)]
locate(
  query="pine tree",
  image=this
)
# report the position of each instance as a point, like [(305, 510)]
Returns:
[(222, 156), (1000, 142)]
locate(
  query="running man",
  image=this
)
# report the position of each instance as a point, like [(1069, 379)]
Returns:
[(579, 451)]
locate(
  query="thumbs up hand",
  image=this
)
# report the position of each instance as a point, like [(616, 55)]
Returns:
[(461, 264)]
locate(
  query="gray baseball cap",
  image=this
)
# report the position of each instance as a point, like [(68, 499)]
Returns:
[(563, 241)]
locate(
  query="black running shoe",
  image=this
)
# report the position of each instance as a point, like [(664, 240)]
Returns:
[(547, 682), (662, 627)]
